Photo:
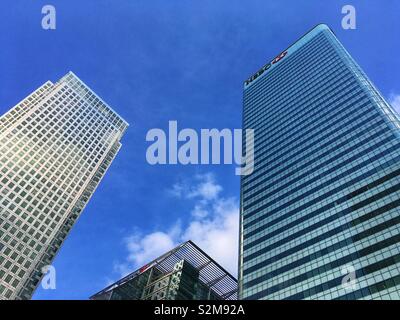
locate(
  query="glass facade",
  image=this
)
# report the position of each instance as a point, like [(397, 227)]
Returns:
[(324, 198), (55, 147), (184, 273), (153, 284)]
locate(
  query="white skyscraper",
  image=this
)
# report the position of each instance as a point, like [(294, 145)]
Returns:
[(55, 147)]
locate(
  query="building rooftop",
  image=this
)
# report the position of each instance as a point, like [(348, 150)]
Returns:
[(211, 273)]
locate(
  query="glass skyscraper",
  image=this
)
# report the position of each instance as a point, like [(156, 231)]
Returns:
[(55, 147), (320, 214)]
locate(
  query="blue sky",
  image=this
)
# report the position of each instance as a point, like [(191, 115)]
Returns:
[(155, 61)]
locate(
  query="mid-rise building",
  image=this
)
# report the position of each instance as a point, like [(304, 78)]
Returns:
[(184, 273)]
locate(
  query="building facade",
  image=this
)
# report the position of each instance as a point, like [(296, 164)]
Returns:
[(320, 213), (55, 147), (184, 273)]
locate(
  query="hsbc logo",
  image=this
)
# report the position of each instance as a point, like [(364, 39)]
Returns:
[(265, 68)]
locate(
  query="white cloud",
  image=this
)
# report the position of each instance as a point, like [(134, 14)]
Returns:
[(199, 211), (218, 234), (151, 245), (177, 190), (394, 100), (213, 226), (205, 188)]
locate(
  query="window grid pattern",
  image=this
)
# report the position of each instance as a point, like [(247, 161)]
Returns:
[(55, 146), (325, 192)]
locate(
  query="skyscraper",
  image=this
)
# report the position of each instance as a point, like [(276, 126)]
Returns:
[(320, 213), (184, 273), (55, 147)]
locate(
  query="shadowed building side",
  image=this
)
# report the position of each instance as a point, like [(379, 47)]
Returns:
[(323, 202)]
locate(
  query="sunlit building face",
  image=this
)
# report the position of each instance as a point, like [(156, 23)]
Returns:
[(55, 147)]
